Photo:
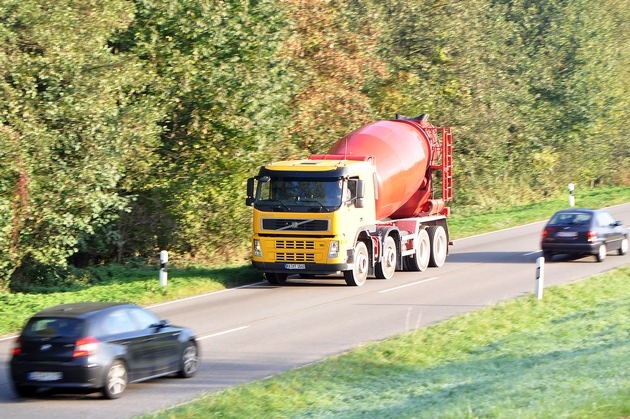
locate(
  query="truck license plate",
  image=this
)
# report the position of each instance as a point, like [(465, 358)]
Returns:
[(294, 266), (45, 376)]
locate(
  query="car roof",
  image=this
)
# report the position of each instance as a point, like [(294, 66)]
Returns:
[(80, 310), (577, 210)]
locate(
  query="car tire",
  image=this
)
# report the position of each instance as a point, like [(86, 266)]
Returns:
[(601, 253), (115, 380), (189, 363), (547, 255), (623, 249)]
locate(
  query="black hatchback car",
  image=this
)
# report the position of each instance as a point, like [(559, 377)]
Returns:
[(100, 347), (584, 232)]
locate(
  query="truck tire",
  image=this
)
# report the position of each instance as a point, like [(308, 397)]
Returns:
[(419, 261), (439, 246), (358, 275), (387, 266), (276, 279)]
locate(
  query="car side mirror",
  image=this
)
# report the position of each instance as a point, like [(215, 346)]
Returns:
[(161, 324)]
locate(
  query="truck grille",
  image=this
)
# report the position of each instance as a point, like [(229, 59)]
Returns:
[(295, 244), (293, 224), (294, 256)]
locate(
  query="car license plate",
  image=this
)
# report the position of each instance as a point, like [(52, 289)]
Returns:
[(294, 266), (567, 234), (45, 376)]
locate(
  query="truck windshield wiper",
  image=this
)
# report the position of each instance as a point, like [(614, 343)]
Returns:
[(275, 201), (309, 200)]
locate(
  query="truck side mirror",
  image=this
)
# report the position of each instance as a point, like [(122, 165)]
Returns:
[(360, 193), (250, 192)]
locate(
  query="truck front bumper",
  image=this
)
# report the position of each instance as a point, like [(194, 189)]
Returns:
[(300, 268)]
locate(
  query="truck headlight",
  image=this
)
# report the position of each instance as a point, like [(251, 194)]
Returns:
[(333, 249), (257, 248)]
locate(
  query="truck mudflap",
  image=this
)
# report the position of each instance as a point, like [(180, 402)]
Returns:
[(300, 268)]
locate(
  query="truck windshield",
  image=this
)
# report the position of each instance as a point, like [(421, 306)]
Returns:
[(299, 194)]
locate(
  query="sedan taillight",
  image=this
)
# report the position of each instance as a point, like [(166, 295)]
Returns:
[(17, 347), (85, 347), (592, 236)]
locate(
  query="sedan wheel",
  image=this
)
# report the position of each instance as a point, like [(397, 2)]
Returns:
[(189, 361), (624, 247), (116, 381), (601, 253)]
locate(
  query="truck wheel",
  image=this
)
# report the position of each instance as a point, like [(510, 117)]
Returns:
[(357, 276), (419, 261), (276, 279), (439, 246), (387, 266)]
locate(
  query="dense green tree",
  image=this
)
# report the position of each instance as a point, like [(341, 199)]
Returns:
[(225, 87), (74, 123)]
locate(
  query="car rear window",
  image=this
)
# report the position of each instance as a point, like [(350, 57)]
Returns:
[(49, 327), (571, 218)]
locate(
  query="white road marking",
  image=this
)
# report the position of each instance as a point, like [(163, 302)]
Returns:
[(409, 285), (225, 332), (532, 253)]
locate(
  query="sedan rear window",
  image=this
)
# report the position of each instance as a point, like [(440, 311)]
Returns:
[(52, 327), (571, 218)]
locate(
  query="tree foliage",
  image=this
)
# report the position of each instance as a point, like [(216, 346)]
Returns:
[(130, 126)]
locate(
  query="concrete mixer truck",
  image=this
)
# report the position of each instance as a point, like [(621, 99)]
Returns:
[(368, 208)]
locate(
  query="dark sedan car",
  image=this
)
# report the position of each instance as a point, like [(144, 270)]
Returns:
[(584, 232), (99, 346)]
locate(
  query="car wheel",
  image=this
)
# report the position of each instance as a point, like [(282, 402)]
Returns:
[(547, 256), (623, 249), (189, 363), (601, 253), (116, 380)]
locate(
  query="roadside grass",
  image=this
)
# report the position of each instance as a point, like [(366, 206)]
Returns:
[(118, 283), (140, 285), (563, 356), (469, 221)]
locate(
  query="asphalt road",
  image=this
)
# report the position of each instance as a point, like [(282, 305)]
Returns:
[(256, 331)]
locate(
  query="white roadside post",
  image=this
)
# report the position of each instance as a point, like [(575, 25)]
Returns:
[(163, 262), (571, 197), (540, 277)]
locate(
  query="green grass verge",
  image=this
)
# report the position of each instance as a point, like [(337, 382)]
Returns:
[(119, 283), (470, 221), (563, 356)]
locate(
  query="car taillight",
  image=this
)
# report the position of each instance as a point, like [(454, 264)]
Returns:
[(17, 347), (544, 234), (592, 236), (85, 347)]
